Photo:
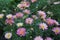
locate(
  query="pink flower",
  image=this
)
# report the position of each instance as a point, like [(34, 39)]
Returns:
[(38, 38), (19, 15), (42, 14), (50, 21), (48, 38), (26, 3), (56, 30), (33, 1), (26, 11), (21, 31), (23, 4), (29, 21), (57, 23), (43, 26), (9, 21)]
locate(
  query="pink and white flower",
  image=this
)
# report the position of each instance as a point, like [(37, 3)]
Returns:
[(43, 26), (57, 23), (50, 21), (9, 21), (42, 14), (56, 30), (48, 38), (38, 38), (26, 11), (19, 15), (29, 21), (23, 4)]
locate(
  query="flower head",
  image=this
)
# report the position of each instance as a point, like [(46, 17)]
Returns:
[(57, 23), (9, 16), (48, 38), (26, 11), (43, 26), (19, 15), (1, 15), (21, 31), (23, 5), (56, 30), (50, 21), (29, 21), (8, 35), (42, 14), (38, 38), (9, 21), (19, 24)]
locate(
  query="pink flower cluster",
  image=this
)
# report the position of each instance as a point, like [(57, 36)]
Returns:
[(43, 26), (23, 4), (30, 19)]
